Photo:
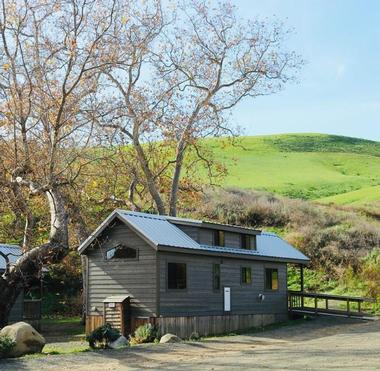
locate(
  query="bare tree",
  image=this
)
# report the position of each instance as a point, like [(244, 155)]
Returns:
[(51, 53), (178, 75)]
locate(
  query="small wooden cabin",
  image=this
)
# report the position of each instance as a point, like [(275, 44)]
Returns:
[(184, 275), (13, 252), (23, 309)]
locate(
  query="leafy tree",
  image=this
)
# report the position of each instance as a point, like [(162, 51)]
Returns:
[(177, 75), (51, 53)]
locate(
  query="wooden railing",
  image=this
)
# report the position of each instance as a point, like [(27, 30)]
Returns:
[(32, 309), (311, 302)]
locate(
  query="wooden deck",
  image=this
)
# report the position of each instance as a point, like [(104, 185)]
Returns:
[(310, 303)]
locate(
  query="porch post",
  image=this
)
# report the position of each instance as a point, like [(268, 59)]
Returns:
[(302, 285)]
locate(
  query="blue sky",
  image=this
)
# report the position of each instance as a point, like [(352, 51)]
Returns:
[(339, 89)]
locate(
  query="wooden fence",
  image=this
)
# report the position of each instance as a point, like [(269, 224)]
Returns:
[(184, 326)]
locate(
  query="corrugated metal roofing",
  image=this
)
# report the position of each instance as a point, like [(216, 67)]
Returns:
[(269, 244), (159, 230), (116, 299), (13, 252)]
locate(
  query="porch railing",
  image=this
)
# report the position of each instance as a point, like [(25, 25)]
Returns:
[(310, 302)]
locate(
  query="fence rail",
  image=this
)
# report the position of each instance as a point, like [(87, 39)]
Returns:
[(310, 302)]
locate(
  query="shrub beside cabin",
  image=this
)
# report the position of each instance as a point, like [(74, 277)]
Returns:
[(184, 275)]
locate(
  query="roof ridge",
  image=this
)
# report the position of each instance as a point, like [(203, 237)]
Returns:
[(170, 218), (141, 214)]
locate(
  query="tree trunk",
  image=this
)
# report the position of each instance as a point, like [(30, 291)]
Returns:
[(175, 181), (149, 178), (29, 265)]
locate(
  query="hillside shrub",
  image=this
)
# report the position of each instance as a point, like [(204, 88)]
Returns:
[(102, 336), (370, 274), (333, 238), (146, 333), (6, 345)]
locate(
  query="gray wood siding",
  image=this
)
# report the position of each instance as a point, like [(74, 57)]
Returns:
[(206, 236), (136, 278), (232, 240), (17, 311), (192, 232), (200, 299)]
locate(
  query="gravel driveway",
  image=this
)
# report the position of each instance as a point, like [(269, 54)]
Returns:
[(322, 343)]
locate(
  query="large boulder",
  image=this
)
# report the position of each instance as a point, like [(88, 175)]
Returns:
[(27, 339), (120, 342), (170, 338)]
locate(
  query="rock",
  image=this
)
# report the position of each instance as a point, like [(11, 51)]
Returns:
[(120, 342), (170, 338), (27, 339)]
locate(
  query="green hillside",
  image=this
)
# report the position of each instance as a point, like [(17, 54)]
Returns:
[(359, 197), (309, 166)]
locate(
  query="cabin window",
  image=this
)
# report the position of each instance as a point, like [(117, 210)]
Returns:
[(219, 238), (271, 279), (216, 276), (246, 275), (176, 276), (248, 242), (121, 252)]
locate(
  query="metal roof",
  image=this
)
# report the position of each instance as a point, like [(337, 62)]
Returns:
[(161, 231), (116, 299), (269, 245), (13, 252), (158, 229)]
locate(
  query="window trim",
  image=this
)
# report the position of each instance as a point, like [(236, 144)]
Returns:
[(121, 259), (213, 277), (265, 279), (241, 275), (167, 276)]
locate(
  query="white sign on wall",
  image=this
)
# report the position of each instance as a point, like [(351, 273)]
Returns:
[(227, 299)]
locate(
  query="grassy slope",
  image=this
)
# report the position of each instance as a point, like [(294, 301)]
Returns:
[(311, 166), (363, 195)]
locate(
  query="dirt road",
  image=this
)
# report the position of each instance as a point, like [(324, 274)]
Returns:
[(323, 343)]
